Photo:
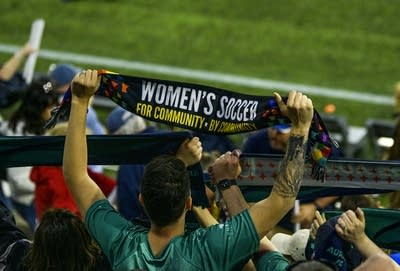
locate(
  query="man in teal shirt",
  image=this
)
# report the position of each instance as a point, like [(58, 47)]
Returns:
[(165, 195)]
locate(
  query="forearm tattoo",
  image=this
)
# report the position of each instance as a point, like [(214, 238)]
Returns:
[(291, 170)]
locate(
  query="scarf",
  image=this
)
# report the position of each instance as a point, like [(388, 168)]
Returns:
[(204, 109)]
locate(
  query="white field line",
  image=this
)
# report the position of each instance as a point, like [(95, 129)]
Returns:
[(245, 81)]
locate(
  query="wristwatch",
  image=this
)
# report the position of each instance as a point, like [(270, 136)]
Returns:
[(225, 184)]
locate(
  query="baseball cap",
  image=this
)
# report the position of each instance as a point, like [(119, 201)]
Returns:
[(62, 74), (298, 245), (283, 128), (123, 122), (330, 247)]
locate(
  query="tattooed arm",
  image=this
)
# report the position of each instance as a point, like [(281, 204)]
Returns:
[(266, 213)]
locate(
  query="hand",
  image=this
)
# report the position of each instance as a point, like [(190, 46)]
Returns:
[(190, 151), (351, 226), (318, 221), (226, 166), (27, 50), (298, 108), (305, 215), (85, 84)]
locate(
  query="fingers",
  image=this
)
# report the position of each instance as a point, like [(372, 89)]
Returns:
[(351, 216), (291, 98), (360, 214), (298, 100), (195, 145), (320, 219), (236, 152), (339, 230), (313, 231), (226, 166), (341, 222), (282, 106)]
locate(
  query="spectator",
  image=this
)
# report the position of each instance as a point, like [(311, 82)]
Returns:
[(61, 242), (50, 189), (28, 120), (212, 143), (61, 76), (274, 140), (351, 202), (165, 195), (350, 227), (122, 122), (394, 151), (12, 84)]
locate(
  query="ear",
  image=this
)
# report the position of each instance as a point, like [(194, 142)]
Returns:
[(141, 200), (189, 203)]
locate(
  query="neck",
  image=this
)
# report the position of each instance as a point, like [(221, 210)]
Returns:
[(159, 237)]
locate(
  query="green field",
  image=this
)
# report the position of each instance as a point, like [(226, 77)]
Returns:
[(337, 44)]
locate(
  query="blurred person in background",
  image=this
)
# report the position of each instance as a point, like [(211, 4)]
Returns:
[(394, 151), (123, 122), (12, 84), (27, 120), (61, 242), (350, 227), (61, 76), (50, 188)]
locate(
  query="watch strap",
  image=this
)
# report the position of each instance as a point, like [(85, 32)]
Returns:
[(225, 184)]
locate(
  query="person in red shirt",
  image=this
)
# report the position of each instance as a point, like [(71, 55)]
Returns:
[(51, 190)]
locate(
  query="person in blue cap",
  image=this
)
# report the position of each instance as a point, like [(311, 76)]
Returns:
[(61, 76)]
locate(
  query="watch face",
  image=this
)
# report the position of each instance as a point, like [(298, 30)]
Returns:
[(224, 184)]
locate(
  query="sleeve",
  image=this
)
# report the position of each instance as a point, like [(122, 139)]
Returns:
[(9, 233), (109, 229), (230, 243), (272, 261), (105, 183)]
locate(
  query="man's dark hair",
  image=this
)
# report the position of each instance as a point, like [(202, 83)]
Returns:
[(165, 188)]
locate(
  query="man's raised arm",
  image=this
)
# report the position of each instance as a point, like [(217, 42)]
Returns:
[(84, 190), (267, 213)]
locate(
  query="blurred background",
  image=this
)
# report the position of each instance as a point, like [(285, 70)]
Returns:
[(345, 52)]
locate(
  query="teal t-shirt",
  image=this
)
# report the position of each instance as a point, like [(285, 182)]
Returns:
[(272, 261), (220, 247)]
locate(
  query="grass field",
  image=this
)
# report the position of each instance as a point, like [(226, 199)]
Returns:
[(339, 44)]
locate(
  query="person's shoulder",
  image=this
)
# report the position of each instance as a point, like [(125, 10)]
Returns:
[(272, 260)]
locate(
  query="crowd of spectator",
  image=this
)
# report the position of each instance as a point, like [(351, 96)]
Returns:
[(83, 219)]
